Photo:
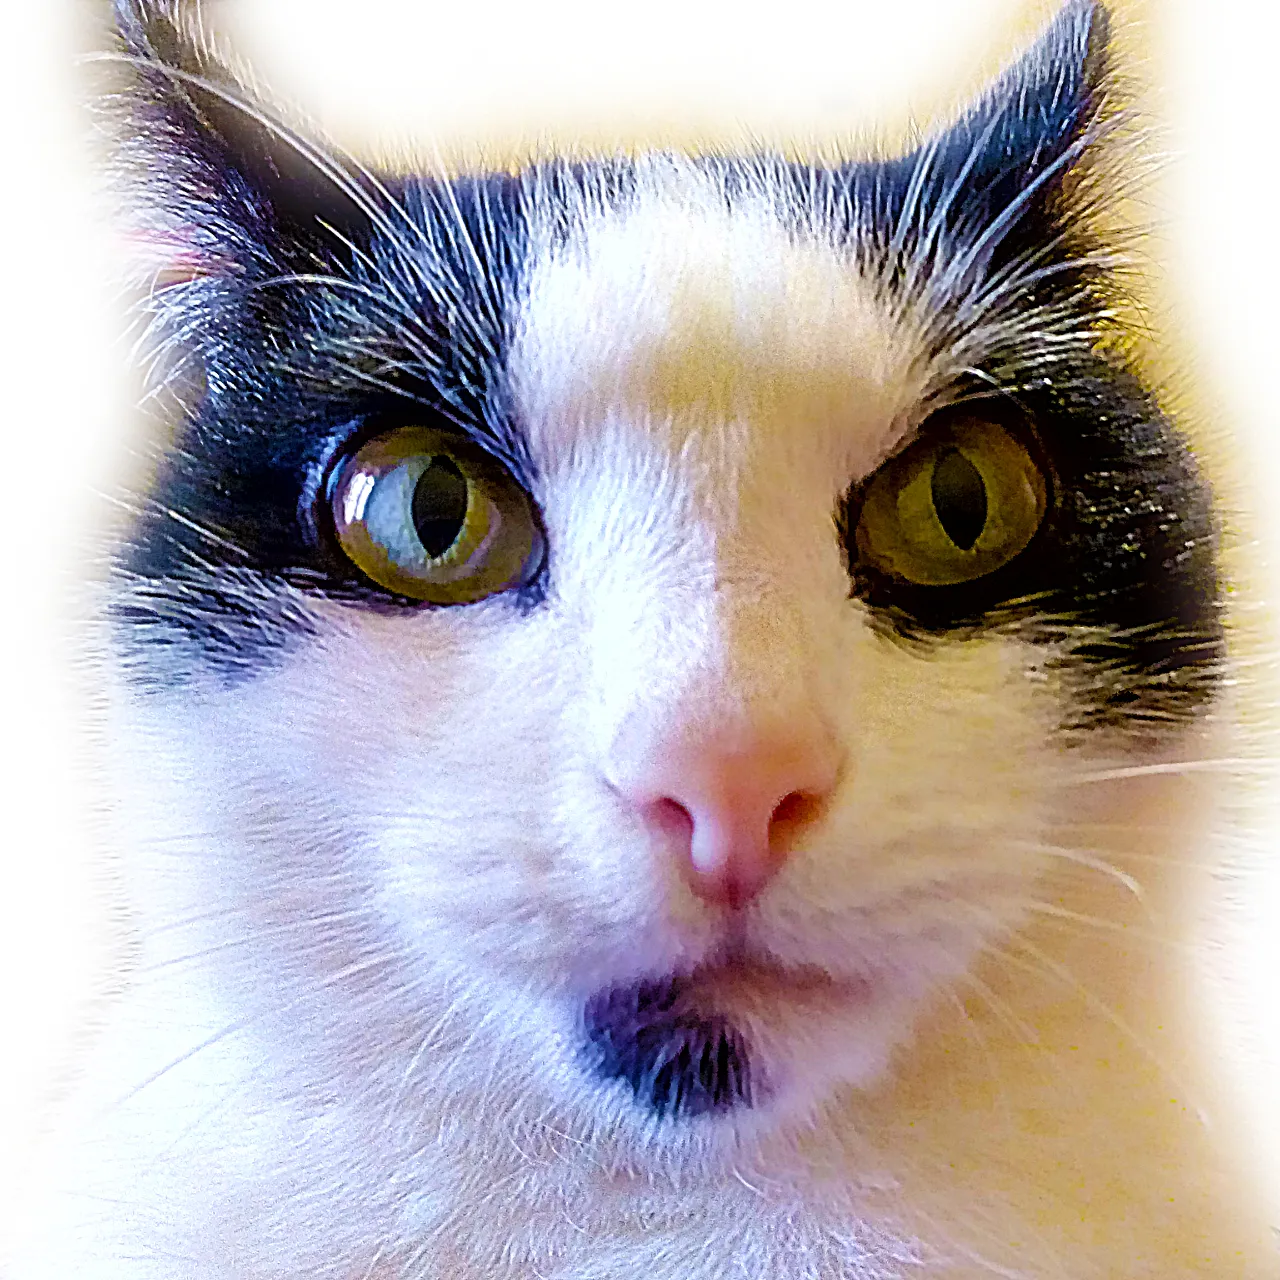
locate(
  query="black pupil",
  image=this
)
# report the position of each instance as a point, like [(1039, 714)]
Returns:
[(959, 498), (439, 505)]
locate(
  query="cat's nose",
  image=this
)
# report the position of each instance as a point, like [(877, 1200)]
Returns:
[(729, 804)]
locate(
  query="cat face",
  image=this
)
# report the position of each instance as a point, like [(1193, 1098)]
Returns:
[(635, 630)]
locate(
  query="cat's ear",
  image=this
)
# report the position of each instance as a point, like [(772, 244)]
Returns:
[(213, 186), (989, 186)]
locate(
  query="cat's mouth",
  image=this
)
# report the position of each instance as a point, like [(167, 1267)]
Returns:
[(689, 1044)]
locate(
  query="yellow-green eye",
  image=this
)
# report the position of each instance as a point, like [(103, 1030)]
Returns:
[(434, 518), (955, 506)]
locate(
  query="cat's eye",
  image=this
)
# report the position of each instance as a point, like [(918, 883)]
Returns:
[(959, 503), (430, 516)]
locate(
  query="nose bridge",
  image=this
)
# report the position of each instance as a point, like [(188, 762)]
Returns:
[(729, 756), (731, 655), (713, 615), (765, 647)]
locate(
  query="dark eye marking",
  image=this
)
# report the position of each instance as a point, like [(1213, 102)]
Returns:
[(1114, 567)]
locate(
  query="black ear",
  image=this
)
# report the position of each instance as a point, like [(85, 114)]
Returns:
[(988, 187), (214, 185)]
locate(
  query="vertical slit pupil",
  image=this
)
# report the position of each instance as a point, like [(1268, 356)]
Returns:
[(959, 498), (439, 505)]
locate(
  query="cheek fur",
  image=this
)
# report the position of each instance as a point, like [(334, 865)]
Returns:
[(450, 802), (698, 378)]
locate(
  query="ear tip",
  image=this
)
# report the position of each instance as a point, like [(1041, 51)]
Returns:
[(134, 17), (1072, 52), (1084, 24), (1083, 12), (150, 28)]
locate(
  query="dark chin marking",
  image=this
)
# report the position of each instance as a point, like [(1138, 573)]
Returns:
[(676, 1061)]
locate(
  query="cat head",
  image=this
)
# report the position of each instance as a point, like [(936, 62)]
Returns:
[(631, 629)]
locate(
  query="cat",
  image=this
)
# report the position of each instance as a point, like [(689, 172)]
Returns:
[(619, 683)]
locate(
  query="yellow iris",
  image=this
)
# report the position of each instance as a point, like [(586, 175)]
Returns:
[(432, 517), (953, 507)]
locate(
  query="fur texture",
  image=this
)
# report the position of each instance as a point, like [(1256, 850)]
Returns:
[(403, 932)]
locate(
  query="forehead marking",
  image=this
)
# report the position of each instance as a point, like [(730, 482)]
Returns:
[(684, 311)]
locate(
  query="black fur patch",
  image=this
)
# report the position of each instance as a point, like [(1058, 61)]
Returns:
[(1127, 546), (322, 303), (678, 1063)]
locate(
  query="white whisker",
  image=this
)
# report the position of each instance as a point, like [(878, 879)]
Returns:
[(1233, 765)]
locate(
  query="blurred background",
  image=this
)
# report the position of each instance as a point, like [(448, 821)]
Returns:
[(464, 84)]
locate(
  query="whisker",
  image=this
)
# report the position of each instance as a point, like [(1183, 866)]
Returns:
[(243, 1024), (1024, 1034), (1088, 859), (1037, 961), (1065, 915), (1225, 764), (257, 935)]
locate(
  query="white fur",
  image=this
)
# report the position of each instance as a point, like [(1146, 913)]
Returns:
[(375, 881)]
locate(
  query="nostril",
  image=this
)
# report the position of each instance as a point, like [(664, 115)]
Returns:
[(799, 809), (671, 818), (730, 806)]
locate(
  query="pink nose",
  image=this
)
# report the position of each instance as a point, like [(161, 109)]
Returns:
[(728, 803)]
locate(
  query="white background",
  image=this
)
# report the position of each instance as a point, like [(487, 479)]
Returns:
[(675, 70)]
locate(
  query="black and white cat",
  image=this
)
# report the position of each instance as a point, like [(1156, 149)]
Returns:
[(657, 703)]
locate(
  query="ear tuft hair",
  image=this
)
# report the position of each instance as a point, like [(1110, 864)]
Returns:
[(214, 183), (1034, 118), (219, 194), (979, 192)]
